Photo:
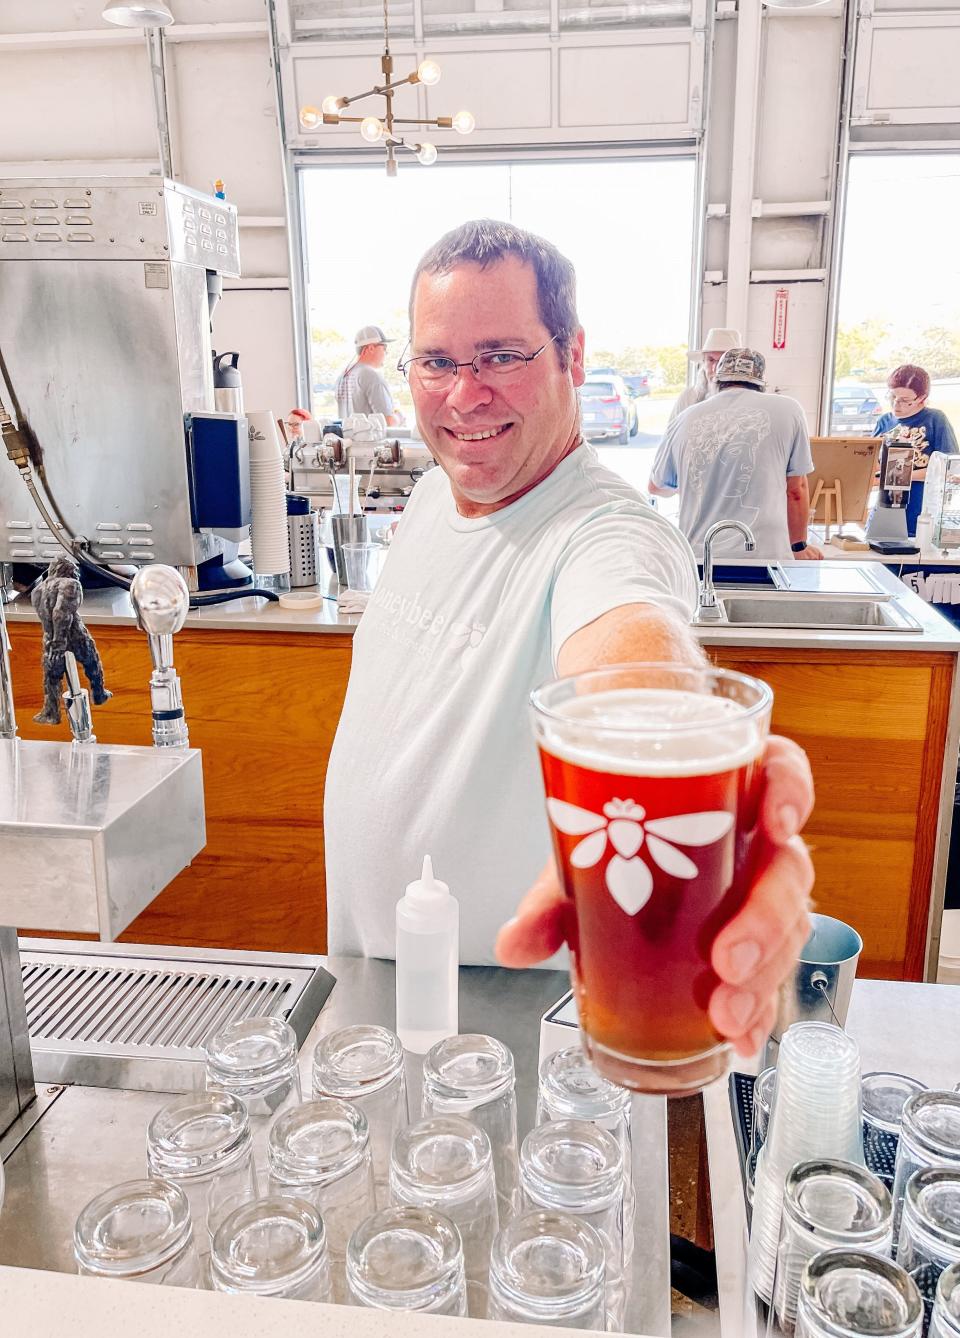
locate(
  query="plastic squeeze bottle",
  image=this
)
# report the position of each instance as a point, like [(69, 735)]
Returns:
[(428, 960)]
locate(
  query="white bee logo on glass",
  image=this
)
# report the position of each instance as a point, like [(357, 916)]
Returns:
[(629, 880)]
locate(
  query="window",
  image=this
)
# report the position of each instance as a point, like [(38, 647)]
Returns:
[(900, 285), (627, 226)]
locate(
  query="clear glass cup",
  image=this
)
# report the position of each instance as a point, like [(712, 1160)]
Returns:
[(202, 1142), (364, 1064), (362, 565), (763, 1089), (815, 1114), (945, 1322), (446, 1164), (827, 1205), (570, 1088), (930, 1227), (548, 1268), (139, 1231), (847, 1293), (929, 1136), (272, 1247), (256, 1060), (406, 1258), (652, 781), (884, 1096), (320, 1151), (474, 1076), (573, 1167)]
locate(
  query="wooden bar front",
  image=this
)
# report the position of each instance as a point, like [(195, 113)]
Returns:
[(264, 706)]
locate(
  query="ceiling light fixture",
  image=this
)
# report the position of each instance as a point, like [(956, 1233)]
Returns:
[(132, 15), (380, 129)]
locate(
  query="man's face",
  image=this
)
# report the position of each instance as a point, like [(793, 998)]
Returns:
[(710, 363), (531, 415), (376, 354)]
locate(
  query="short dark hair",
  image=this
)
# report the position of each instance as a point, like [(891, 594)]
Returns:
[(910, 377), (738, 385), (483, 242)]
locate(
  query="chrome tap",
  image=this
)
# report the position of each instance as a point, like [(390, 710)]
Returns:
[(708, 607), (160, 600), (8, 719)]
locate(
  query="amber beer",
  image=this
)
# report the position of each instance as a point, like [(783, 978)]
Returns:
[(652, 782)]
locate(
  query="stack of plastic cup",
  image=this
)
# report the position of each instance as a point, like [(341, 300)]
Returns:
[(816, 1113), (946, 1306), (763, 1089)]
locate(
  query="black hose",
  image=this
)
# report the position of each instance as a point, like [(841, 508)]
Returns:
[(222, 596)]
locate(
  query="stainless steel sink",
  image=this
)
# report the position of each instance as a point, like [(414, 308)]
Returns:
[(815, 612)]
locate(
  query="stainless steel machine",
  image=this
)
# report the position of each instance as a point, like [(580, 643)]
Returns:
[(107, 289), (387, 464)]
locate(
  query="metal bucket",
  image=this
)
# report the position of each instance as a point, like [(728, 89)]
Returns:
[(820, 988)]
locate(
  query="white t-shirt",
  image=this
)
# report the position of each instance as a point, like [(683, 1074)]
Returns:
[(730, 457), (434, 753), (361, 389)]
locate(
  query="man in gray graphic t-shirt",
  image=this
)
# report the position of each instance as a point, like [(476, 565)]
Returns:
[(741, 455), (361, 388)]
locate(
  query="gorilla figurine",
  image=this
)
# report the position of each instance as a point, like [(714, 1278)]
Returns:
[(57, 601)]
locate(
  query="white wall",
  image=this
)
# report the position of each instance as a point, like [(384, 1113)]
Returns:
[(75, 95)]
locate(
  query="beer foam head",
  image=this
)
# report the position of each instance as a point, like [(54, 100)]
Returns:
[(652, 732)]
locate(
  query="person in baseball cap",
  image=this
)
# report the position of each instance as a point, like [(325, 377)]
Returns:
[(741, 455), (718, 340), (361, 387)]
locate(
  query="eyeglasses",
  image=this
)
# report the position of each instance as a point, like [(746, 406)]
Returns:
[(436, 370), (903, 401)]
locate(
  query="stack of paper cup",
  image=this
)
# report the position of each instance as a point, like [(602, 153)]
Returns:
[(816, 1113), (271, 552)]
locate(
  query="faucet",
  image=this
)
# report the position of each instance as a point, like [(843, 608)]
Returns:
[(708, 606), (160, 601)]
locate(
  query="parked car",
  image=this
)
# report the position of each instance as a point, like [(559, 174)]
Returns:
[(638, 384), (607, 409), (854, 411)]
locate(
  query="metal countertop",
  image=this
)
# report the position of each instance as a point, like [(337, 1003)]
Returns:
[(90, 1138)]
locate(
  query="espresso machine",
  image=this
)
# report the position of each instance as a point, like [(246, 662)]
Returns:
[(107, 292)]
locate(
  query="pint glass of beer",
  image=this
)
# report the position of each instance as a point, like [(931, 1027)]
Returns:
[(652, 778)]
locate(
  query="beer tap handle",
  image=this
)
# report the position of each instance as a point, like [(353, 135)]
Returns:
[(160, 601), (76, 699)]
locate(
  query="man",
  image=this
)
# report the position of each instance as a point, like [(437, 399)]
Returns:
[(741, 455), (361, 388), (520, 558), (717, 342)]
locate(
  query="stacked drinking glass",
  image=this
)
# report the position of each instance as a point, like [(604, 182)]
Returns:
[(930, 1227), (272, 1247), (548, 1268), (846, 1294), (364, 1065), (884, 1096), (816, 1114), (406, 1258), (929, 1136), (573, 1167), (827, 1205), (446, 1164), (946, 1306), (139, 1231), (320, 1151), (474, 1076), (256, 1060)]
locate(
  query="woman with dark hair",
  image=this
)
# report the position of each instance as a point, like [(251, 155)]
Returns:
[(926, 430)]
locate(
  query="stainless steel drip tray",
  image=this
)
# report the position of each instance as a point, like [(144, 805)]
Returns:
[(138, 1016)]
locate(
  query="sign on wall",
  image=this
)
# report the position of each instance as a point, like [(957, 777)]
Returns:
[(780, 300)]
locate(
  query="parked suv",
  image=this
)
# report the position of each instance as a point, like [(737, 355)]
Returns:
[(638, 384), (607, 409), (854, 411)]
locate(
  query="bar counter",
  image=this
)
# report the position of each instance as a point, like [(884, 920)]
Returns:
[(263, 689), (90, 1138)]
